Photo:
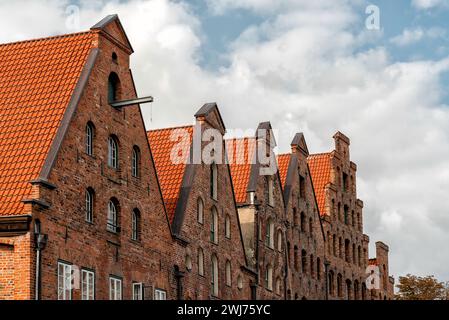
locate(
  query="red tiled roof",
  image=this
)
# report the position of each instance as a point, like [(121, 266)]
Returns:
[(240, 153), (283, 162), (37, 79), (170, 173), (320, 170)]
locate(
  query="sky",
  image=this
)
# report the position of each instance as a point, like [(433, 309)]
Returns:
[(315, 67)]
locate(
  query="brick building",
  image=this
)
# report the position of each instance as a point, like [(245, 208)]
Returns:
[(92, 206), (305, 235), (197, 191), (258, 193)]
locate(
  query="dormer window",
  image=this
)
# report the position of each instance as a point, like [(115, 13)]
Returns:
[(114, 58), (113, 87)]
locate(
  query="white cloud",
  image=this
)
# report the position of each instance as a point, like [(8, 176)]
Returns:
[(411, 36), (304, 69), (428, 4)]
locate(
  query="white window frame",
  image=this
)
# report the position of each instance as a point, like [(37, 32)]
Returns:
[(89, 206), (89, 140), (115, 288), (228, 271), (112, 153), (214, 276), (112, 217), (139, 294), (87, 285), (64, 281), (160, 294)]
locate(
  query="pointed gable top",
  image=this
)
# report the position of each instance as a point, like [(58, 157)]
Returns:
[(300, 142), (320, 171), (113, 29), (207, 113)]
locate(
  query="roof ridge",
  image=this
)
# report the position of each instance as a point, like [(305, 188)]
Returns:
[(170, 128), (66, 35), (319, 154)]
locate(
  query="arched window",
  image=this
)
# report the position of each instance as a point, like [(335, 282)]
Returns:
[(331, 283), (214, 226), (339, 285), (359, 255), (363, 291), (228, 274), (113, 215), (200, 262), (114, 57), (214, 276), (270, 191), (135, 218), (334, 244), (113, 87), (279, 241), (347, 250), (113, 152), (228, 227), (269, 277), (295, 218), (348, 289), (303, 221), (135, 167), (356, 290), (353, 218), (90, 132), (304, 261), (200, 211), (346, 212), (278, 286), (354, 253), (269, 240), (90, 197), (312, 267), (318, 268), (214, 181), (296, 250), (359, 223), (340, 248)]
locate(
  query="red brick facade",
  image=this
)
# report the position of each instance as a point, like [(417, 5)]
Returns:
[(114, 211)]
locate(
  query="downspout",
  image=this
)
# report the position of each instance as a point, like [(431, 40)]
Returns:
[(40, 242)]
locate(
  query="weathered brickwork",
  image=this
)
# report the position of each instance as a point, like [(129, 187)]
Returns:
[(196, 231), (304, 232)]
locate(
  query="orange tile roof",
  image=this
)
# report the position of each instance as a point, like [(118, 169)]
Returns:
[(37, 79), (170, 173), (320, 170), (240, 153), (283, 162)]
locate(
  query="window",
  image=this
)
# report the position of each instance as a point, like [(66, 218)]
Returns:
[(200, 211), (304, 261), (278, 286), (359, 255), (331, 283), (334, 244), (137, 291), (346, 212), (135, 166), (113, 87), (228, 273), (200, 262), (90, 205), (188, 261), (214, 226), (345, 182), (269, 277), (270, 191), (160, 294), (339, 285), (214, 181), (303, 221), (214, 276), (279, 241), (353, 218), (114, 57), (340, 248), (87, 285), (113, 152), (112, 216), (296, 262), (312, 267), (115, 288), (269, 237), (354, 252), (240, 282), (318, 268), (302, 187), (228, 227), (90, 139), (347, 250), (64, 281), (295, 218), (135, 228)]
